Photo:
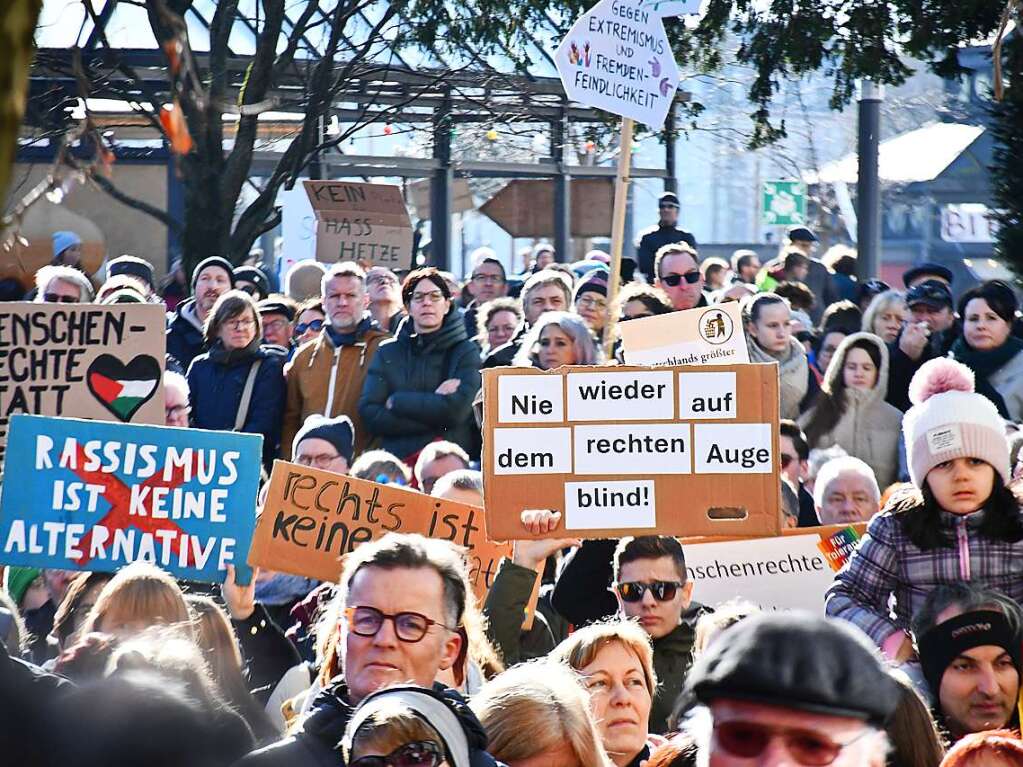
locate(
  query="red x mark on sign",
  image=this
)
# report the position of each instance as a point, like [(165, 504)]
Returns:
[(118, 495)]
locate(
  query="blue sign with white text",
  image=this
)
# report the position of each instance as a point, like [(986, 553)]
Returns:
[(90, 495)]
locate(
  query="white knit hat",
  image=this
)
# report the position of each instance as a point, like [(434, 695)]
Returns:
[(950, 420)]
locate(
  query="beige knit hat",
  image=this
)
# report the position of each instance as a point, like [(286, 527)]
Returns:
[(950, 420)]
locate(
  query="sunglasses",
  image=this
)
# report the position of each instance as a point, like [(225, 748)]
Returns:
[(663, 591), (747, 740), (421, 753), (56, 298), (315, 325), (674, 280)]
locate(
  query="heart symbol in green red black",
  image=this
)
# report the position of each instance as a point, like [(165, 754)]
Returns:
[(123, 389)]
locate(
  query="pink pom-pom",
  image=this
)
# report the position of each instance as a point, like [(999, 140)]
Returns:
[(937, 376)]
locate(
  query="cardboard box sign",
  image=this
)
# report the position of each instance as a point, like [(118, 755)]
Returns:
[(709, 335), (312, 518), (368, 223), (633, 450), (82, 361), (790, 572), (96, 496)]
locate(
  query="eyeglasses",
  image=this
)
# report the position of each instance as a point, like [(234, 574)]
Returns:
[(747, 740), (663, 591), (673, 280), (421, 753), (786, 459), (57, 298), (487, 279), (433, 297), (316, 326), (588, 301), (382, 279), (321, 461), (408, 626), (240, 324), (275, 324)]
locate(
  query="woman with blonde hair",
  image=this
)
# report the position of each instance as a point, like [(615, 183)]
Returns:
[(138, 597), (616, 662), (886, 315), (556, 339), (537, 712)]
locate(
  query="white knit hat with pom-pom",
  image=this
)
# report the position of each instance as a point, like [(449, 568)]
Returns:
[(950, 420)]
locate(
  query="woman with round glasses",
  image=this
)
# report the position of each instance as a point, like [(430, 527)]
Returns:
[(421, 383), (616, 663), (238, 385)]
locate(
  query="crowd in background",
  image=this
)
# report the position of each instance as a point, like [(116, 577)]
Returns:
[(900, 408)]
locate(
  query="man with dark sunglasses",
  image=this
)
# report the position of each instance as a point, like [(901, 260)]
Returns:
[(648, 582), (62, 285), (400, 608), (792, 689), (678, 274), (665, 232)]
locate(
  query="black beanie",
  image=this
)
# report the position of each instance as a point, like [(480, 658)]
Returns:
[(337, 431), (133, 266), (254, 275), (219, 261)]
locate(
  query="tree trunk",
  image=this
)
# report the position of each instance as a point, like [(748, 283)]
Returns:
[(17, 24)]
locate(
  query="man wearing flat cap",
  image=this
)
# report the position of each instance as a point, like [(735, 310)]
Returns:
[(666, 232), (968, 641), (792, 688), (819, 278)]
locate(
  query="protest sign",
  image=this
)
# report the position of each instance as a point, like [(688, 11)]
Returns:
[(617, 57), (83, 361), (708, 335), (631, 450), (312, 518), (361, 222), (96, 496), (790, 572)]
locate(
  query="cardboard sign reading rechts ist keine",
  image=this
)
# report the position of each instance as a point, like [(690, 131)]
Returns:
[(633, 450), (88, 495), (312, 518), (82, 361)]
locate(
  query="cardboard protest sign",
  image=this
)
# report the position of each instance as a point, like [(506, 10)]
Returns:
[(708, 335), (617, 57), (632, 450), (361, 222), (83, 361), (312, 518), (97, 496), (790, 572)]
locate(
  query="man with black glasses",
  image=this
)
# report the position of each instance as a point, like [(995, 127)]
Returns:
[(648, 582), (791, 689), (487, 283), (400, 609), (665, 232), (678, 275)]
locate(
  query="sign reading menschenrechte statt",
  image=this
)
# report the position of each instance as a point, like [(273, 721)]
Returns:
[(87, 495), (633, 450), (617, 57)]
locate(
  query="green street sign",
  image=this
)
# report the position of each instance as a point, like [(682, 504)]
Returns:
[(784, 203)]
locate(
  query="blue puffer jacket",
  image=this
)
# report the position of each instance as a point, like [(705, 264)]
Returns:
[(216, 380), (184, 335), (407, 370)]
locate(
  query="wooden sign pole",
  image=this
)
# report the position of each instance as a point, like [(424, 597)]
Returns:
[(622, 179)]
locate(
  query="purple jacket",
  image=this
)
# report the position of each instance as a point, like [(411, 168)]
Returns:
[(887, 564)]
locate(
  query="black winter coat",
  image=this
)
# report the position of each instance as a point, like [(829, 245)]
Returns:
[(407, 370), (315, 742), (216, 380), (185, 340)]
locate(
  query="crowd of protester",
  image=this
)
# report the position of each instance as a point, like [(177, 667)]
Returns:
[(900, 409)]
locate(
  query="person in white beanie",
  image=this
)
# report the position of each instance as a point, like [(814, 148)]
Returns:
[(962, 523)]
